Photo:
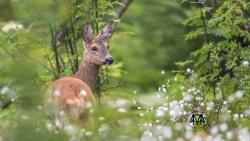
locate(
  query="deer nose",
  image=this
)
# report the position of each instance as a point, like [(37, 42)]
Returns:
[(109, 61)]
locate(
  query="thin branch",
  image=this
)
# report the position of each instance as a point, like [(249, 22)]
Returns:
[(213, 6), (63, 64), (71, 48), (96, 16), (68, 55), (54, 48), (123, 8), (73, 38), (204, 24), (51, 64)]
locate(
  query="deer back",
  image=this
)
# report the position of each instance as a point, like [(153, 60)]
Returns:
[(69, 94)]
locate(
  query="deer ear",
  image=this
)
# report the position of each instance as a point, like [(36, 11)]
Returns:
[(107, 31), (87, 33)]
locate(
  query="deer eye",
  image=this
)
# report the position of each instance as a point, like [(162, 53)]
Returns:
[(94, 49)]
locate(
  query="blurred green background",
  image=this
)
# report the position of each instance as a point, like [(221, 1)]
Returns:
[(148, 39)]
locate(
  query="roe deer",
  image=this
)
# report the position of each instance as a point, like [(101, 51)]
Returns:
[(71, 94)]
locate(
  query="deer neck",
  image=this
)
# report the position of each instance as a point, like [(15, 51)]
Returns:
[(88, 72)]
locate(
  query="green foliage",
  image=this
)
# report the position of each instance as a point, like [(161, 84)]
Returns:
[(221, 65)]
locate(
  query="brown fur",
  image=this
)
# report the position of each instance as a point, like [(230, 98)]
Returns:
[(88, 72), (71, 94), (69, 97)]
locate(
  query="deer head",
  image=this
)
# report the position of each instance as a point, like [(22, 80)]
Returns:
[(96, 48)]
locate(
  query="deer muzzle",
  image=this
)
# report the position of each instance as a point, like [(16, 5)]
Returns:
[(108, 61)]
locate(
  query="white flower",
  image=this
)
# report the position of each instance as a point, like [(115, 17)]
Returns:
[(162, 72), (218, 96), (189, 71), (121, 103), (83, 93), (225, 102), (134, 101), (247, 112), (236, 117), (101, 118), (187, 97), (241, 115), (193, 89), (229, 135), (56, 93), (179, 139), (40, 107), (223, 127), (209, 138), (103, 130), (157, 121), (58, 123), (148, 125), (148, 136), (12, 99), (175, 79), (11, 26), (160, 111), (245, 63), (239, 94), (231, 98), (164, 90), (197, 138), (188, 134), (89, 105), (182, 88), (122, 110), (61, 113), (164, 131), (49, 126), (198, 98), (5, 90), (218, 138), (88, 133), (175, 109), (141, 114), (243, 135), (210, 105), (158, 96), (214, 130), (68, 128), (24, 117)]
